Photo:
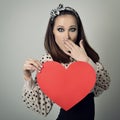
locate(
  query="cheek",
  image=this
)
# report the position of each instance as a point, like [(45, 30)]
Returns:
[(58, 37), (74, 36), (59, 40)]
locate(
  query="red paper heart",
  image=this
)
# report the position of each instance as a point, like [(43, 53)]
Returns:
[(66, 87)]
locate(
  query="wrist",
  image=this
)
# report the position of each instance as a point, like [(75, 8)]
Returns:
[(86, 59), (27, 75), (27, 78)]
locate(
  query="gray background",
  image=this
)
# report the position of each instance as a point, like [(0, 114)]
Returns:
[(22, 28)]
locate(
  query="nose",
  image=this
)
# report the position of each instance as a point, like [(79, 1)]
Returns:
[(67, 35)]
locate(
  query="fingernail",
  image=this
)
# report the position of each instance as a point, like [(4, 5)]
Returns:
[(41, 66)]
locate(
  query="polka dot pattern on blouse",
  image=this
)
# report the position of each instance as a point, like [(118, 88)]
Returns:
[(37, 101)]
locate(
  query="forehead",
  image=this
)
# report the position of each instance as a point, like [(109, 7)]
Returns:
[(65, 20)]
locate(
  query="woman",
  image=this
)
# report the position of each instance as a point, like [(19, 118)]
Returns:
[(65, 42)]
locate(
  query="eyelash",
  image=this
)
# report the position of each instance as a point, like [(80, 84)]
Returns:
[(62, 30), (73, 29)]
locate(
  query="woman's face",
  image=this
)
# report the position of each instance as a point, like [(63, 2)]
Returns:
[(65, 28)]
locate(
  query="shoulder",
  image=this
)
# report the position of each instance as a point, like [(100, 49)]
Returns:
[(46, 57)]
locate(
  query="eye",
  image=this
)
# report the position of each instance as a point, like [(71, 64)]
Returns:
[(60, 29), (72, 29)]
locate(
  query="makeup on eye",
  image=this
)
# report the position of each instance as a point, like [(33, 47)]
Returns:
[(60, 29), (72, 28)]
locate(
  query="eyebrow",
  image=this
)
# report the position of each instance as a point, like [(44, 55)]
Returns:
[(70, 26), (73, 26)]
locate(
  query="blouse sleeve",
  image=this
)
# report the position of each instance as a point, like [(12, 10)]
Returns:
[(102, 79), (34, 98)]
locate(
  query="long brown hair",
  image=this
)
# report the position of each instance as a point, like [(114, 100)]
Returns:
[(56, 53)]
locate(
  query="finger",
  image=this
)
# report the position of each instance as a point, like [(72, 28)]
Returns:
[(68, 44), (34, 63), (71, 43), (81, 44), (68, 53), (67, 47), (30, 68), (39, 63)]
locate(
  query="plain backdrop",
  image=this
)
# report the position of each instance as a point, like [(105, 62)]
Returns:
[(22, 29)]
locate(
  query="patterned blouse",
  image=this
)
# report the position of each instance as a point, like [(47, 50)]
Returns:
[(37, 101)]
